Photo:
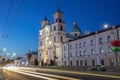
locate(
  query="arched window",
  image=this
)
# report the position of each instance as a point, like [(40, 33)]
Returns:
[(61, 28), (75, 35), (60, 20), (54, 28)]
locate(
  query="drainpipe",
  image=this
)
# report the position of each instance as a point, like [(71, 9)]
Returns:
[(97, 52)]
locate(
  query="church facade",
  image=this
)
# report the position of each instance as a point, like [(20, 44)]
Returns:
[(57, 47)]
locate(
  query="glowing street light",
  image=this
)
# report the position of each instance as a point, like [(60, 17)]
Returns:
[(105, 26), (49, 42), (4, 49), (14, 54)]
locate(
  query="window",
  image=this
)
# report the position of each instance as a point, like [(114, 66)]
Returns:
[(61, 28), (54, 39), (101, 50), (61, 39), (85, 62), (108, 38), (70, 54), (111, 62), (92, 51), (92, 42), (60, 20), (100, 40), (84, 44), (80, 45), (77, 63), (64, 48), (85, 52), (109, 49), (81, 63), (64, 55), (71, 63), (75, 35), (93, 62), (102, 62), (54, 28), (70, 46), (77, 54), (76, 45), (80, 53)]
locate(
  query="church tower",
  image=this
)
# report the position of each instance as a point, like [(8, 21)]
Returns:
[(58, 35)]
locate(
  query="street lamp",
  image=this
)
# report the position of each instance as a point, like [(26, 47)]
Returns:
[(4, 49), (14, 54), (106, 26)]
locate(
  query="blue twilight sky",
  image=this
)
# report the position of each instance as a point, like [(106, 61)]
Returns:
[(19, 31)]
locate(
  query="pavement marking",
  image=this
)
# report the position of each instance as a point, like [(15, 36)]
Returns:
[(47, 78), (50, 75)]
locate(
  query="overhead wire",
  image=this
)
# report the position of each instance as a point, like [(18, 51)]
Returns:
[(7, 32), (16, 16), (3, 36)]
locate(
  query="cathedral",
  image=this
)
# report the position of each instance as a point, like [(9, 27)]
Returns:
[(59, 48), (51, 37)]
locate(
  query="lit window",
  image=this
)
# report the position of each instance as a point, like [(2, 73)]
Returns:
[(101, 50)]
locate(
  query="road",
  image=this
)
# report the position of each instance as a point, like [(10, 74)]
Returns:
[(26, 74)]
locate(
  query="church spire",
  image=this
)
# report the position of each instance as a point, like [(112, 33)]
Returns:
[(58, 10)]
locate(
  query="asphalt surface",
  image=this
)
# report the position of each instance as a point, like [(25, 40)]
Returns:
[(23, 74)]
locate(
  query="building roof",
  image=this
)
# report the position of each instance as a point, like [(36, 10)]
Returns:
[(97, 32), (33, 53), (69, 35), (75, 28)]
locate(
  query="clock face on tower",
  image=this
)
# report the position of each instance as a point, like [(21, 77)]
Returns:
[(47, 28)]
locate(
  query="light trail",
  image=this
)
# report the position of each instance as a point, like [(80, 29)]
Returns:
[(38, 76), (56, 76), (82, 73)]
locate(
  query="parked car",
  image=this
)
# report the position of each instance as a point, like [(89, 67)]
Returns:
[(98, 68)]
